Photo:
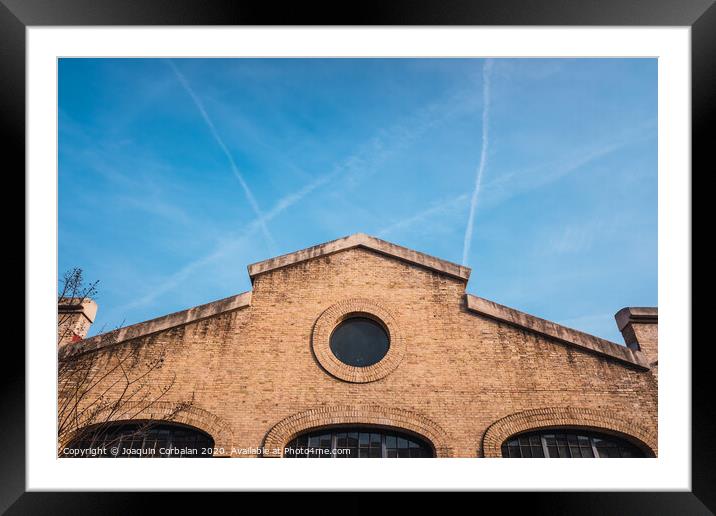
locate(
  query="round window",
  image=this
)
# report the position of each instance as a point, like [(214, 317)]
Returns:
[(359, 342)]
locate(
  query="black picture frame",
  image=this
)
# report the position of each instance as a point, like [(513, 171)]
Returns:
[(700, 15)]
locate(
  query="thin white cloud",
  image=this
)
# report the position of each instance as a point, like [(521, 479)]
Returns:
[(235, 243), (357, 165), (510, 183), (231, 243), (234, 169), (573, 238), (437, 209), (486, 69)]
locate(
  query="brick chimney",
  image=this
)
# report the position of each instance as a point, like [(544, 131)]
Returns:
[(74, 318), (640, 328)]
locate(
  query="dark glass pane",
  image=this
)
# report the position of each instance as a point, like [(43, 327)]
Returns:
[(628, 452), (587, 452), (162, 442), (352, 440), (391, 441), (612, 452), (359, 342), (150, 444), (124, 446), (128, 439), (365, 444), (326, 451), (572, 444), (179, 440)]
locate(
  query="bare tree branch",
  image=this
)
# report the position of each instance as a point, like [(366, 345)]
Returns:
[(96, 389)]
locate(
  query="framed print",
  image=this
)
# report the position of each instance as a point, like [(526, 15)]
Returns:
[(424, 232)]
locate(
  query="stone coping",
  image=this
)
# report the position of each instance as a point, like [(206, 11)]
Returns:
[(556, 331), (85, 306), (362, 240), (636, 314), (159, 324)]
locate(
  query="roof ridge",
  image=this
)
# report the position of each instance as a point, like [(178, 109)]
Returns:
[(157, 324), (367, 241), (555, 331)]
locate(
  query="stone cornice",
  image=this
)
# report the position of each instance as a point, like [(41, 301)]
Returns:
[(156, 325), (368, 242), (635, 314), (556, 331)]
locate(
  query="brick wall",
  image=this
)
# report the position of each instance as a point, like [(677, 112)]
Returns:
[(253, 369)]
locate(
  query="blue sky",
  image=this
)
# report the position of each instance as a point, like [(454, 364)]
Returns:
[(540, 174)]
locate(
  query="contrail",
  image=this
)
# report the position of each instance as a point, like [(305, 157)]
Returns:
[(247, 191), (486, 68), (368, 158)]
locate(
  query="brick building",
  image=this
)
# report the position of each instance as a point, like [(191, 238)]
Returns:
[(359, 347)]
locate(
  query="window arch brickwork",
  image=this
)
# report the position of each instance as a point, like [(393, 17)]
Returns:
[(290, 427), (536, 419), (166, 411)]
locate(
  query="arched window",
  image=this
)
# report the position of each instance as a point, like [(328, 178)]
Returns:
[(568, 443), (141, 439), (358, 442)]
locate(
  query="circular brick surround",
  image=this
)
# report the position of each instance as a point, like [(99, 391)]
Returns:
[(557, 417), (357, 307)]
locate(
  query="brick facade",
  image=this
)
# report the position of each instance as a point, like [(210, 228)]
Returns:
[(463, 374)]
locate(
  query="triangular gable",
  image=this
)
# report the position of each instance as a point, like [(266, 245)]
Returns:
[(368, 242)]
